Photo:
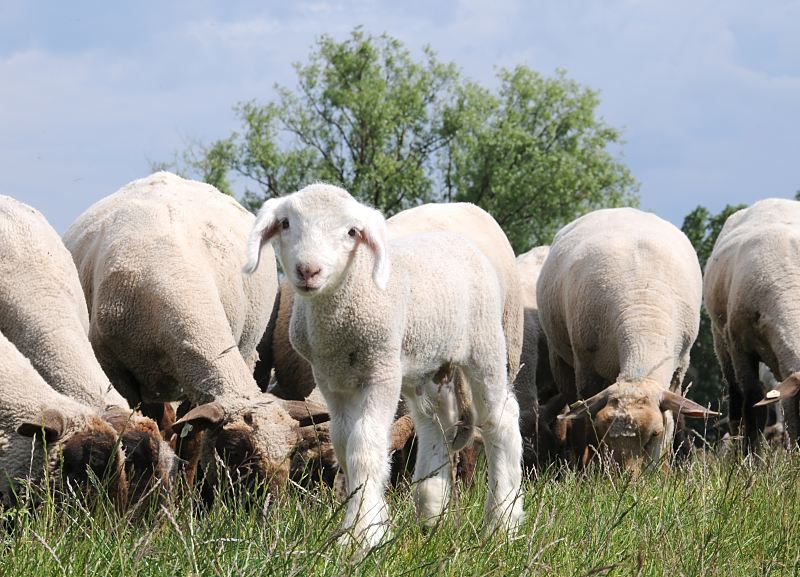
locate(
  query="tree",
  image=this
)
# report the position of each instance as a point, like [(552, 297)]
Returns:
[(702, 228), (535, 155), (397, 132)]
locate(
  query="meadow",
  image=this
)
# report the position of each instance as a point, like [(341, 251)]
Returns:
[(711, 515)]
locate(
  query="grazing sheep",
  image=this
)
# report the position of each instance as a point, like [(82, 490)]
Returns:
[(173, 318), (44, 434), (43, 313), (750, 291), (534, 382), (619, 301), (374, 316)]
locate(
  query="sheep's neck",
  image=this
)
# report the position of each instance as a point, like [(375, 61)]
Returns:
[(351, 317)]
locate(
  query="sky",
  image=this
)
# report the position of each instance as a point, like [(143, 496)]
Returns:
[(707, 94)]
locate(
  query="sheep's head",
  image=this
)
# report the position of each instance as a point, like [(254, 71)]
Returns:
[(315, 233), (634, 420), (150, 463), (250, 444), (79, 450)]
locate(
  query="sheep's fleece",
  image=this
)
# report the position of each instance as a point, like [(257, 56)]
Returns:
[(373, 316), (27, 402), (173, 317), (751, 288), (619, 301), (42, 308), (43, 312)]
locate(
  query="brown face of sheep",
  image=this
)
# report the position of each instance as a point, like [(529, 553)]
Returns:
[(634, 420), (254, 444), (93, 451), (149, 462)]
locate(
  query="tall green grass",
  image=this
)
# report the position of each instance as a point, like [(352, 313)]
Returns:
[(710, 516)]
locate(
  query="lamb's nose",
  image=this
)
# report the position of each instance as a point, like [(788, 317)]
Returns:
[(308, 272)]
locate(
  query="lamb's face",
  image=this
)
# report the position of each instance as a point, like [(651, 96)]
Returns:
[(315, 233)]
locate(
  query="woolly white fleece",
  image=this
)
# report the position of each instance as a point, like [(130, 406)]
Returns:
[(42, 308), (751, 287)]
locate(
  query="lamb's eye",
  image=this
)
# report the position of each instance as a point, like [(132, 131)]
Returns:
[(352, 232), (285, 223)]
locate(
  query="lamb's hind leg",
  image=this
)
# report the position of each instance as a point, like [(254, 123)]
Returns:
[(498, 414), (435, 414)]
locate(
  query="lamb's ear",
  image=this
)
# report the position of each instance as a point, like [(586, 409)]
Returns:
[(264, 228), (374, 235), (51, 422), (786, 390), (586, 407), (200, 418), (677, 404)]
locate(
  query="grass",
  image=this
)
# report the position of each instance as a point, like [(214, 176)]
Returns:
[(711, 516)]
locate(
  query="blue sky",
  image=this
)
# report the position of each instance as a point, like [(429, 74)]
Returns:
[(707, 93)]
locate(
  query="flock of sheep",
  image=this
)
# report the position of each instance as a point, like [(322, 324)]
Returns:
[(155, 339)]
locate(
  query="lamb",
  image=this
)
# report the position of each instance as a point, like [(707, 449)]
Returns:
[(172, 318), (43, 313), (44, 434), (374, 316), (749, 290), (619, 302)]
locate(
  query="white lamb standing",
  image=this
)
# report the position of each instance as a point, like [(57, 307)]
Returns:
[(43, 312), (173, 318), (374, 317), (619, 301), (751, 293), (47, 435)]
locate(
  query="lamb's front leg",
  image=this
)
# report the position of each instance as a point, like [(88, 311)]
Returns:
[(366, 424)]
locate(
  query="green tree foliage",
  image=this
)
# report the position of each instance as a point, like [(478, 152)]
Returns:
[(398, 131), (536, 156), (702, 228)]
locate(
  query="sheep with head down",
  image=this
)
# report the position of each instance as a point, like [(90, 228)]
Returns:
[(619, 301), (43, 312), (374, 317), (172, 318), (47, 435), (750, 290)]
